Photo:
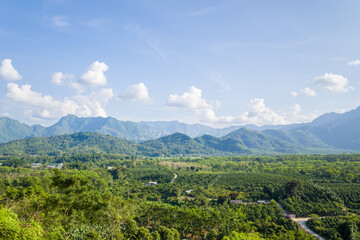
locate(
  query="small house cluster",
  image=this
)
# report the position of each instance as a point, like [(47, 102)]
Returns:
[(36, 165), (54, 165)]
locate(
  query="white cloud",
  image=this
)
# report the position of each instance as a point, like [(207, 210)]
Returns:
[(258, 113), (333, 82), (191, 99), (77, 86), (308, 92), (305, 91), (24, 94), (94, 104), (60, 21), (137, 92), (295, 115), (355, 62), (296, 108), (8, 72), (39, 106), (95, 74), (59, 78)]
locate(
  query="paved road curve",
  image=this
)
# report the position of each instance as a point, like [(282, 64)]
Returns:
[(302, 223), (175, 176)]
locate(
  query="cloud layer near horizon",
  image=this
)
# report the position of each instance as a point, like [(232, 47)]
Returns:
[(258, 113), (45, 106), (92, 98), (90, 104)]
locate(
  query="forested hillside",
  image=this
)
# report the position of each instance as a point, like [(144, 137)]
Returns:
[(105, 196), (241, 142)]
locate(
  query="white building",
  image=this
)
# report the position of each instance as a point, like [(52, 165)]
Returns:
[(150, 183)]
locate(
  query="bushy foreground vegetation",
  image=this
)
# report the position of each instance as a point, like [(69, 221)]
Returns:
[(104, 196)]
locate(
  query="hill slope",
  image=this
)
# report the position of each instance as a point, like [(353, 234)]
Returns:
[(178, 144), (69, 144), (12, 129), (175, 144), (337, 130)]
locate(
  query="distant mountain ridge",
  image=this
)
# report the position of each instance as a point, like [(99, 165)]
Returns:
[(327, 133), (337, 130), (142, 131)]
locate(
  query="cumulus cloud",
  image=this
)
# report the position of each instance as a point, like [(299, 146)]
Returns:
[(308, 92), (59, 78), (95, 75), (38, 106), (305, 91), (137, 92), (93, 105), (333, 82), (8, 72), (355, 62), (191, 99), (295, 116), (258, 113), (45, 106)]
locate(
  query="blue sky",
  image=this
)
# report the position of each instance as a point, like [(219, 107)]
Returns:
[(218, 63)]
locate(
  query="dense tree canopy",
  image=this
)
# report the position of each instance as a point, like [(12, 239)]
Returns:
[(105, 196)]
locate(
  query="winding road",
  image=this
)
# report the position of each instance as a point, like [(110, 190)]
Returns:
[(173, 180), (302, 223)]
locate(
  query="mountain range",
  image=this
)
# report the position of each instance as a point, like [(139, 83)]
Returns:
[(329, 133), (134, 131)]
